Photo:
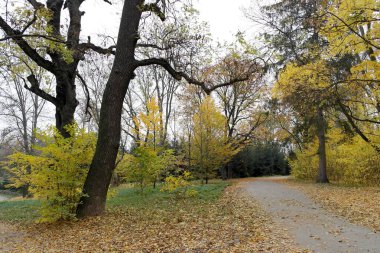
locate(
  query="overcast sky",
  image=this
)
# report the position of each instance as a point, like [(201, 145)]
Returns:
[(225, 17)]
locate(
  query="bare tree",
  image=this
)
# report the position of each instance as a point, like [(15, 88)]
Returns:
[(21, 108)]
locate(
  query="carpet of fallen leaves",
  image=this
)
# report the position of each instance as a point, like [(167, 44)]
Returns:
[(235, 223), (360, 205)]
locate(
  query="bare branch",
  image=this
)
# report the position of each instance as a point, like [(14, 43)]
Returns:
[(31, 22), (154, 8), (35, 88), (88, 100), (178, 75), (33, 36), (154, 46), (98, 49)]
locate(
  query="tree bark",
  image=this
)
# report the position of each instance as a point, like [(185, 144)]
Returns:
[(66, 102), (103, 163), (321, 128)]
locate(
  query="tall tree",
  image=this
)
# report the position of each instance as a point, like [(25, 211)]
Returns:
[(240, 102), (308, 89), (294, 38), (125, 63), (21, 107), (209, 143)]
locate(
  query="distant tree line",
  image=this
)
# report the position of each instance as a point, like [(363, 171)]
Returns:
[(260, 159)]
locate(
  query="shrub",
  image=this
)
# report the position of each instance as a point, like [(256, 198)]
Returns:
[(349, 161), (145, 165), (56, 174), (179, 185)]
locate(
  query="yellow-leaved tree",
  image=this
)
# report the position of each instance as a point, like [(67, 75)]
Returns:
[(56, 173), (148, 160), (210, 146), (307, 90), (352, 31), (351, 160), (150, 124)]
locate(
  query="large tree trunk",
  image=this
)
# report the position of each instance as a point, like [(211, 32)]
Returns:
[(103, 163), (321, 128), (66, 102)]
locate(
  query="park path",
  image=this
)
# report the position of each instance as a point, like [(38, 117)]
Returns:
[(308, 223)]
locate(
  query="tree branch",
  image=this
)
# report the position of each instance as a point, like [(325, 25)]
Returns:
[(36, 5), (28, 50), (95, 48), (154, 8), (33, 36), (88, 100), (179, 75), (35, 88), (353, 31), (356, 128), (31, 22), (154, 46)]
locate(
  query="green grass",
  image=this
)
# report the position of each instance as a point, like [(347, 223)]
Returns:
[(125, 197), (133, 198), (19, 210)]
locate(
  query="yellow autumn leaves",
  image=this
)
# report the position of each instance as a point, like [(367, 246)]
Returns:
[(342, 77)]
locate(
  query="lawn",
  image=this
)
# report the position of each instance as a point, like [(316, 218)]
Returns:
[(219, 219), (123, 197), (24, 210), (154, 198)]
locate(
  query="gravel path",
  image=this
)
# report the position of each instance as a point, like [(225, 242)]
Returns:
[(311, 226)]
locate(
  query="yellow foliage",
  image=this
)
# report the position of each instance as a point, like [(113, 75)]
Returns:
[(42, 35), (349, 161), (56, 174), (179, 185), (145, 165), (303, 85), (210, 147), (149, 124), (351, 26)]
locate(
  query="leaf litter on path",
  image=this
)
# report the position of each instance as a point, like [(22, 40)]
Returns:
[(360, 205)]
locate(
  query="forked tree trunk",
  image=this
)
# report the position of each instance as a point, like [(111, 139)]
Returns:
[(65, 100), (103, 163), (321, 128)]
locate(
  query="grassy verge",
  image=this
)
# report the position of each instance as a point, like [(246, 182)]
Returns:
[(26, 210), (23, 210), (219, 219), (154, 198)]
